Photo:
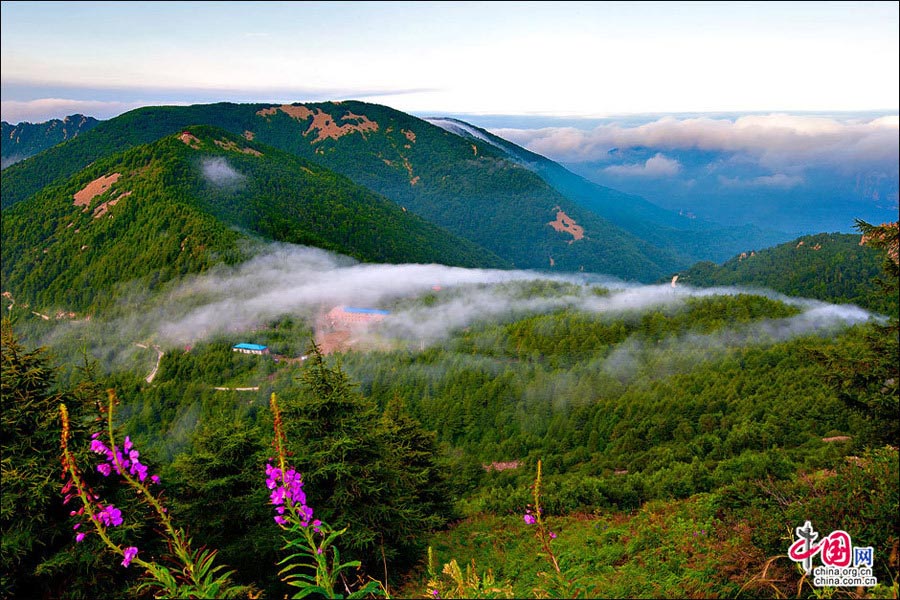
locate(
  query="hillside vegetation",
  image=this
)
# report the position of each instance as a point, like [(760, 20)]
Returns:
[(678, 442), (505, 435), (180, 205), (833, 267), (472, 189)]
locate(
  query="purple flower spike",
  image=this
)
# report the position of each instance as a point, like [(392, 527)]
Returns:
[(79, 537), (529, 518), (287, 492)]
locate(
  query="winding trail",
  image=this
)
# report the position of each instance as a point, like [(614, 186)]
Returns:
[(159, 354)]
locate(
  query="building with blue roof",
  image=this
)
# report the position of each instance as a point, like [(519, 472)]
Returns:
[(245, 348)]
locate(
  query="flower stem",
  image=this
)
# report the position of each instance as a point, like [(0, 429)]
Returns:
[(83, 493)]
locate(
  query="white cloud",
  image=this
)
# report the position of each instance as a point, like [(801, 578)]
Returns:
[(775, 141), (655, 166), (218, 172)]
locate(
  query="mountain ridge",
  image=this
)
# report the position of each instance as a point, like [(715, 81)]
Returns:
[(26, 139), (832, 267), (474, 192), (181, 204), (695, 239)]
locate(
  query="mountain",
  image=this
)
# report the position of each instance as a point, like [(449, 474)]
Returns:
[(27, 139), (183, 203), (695, 239), (828, 266), (468, 187)]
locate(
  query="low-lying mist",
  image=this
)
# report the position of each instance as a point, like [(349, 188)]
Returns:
[(428, 303)]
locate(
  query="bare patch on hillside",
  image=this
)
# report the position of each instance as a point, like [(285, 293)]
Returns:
[(299, 112), (233, 147), (333, 341), (190, 139), (103, 207), (249, 135), (566, 224), (94, 189), (323, 123), (409, 135), (413, 179), (329, 129)]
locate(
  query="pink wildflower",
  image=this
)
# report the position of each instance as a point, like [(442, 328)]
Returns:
[(130, 553)]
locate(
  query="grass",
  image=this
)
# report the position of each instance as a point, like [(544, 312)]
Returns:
[(673, 549)]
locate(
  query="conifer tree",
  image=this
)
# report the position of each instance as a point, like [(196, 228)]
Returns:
[(361, 471), (33, 519)]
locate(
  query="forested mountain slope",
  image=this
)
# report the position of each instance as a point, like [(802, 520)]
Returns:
[(181, 204), (694, 238), (472, 189), (828, 266)]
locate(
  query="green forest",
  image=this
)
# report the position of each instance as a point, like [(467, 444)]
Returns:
[(472, 189), (827, 266), (178, 208), (666, 449), (492, 433)]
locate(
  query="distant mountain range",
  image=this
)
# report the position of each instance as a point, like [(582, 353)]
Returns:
[(362, 179), (27, 139), (724, 187), (692, 238)]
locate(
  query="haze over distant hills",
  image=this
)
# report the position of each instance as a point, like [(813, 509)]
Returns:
[(697, 239), (800, 173), (27, 139)]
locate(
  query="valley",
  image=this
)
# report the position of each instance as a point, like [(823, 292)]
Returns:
[(444, 333)]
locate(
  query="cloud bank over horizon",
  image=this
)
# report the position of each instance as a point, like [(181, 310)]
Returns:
[(776, 141), (795, 173)]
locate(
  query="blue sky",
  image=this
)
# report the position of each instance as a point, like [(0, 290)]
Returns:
[(526, 58)]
